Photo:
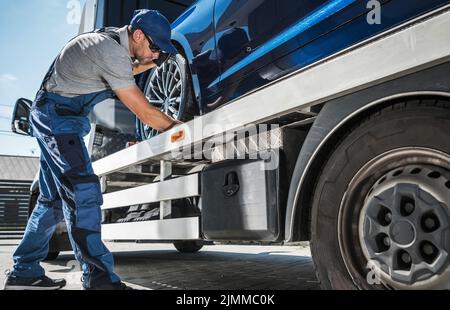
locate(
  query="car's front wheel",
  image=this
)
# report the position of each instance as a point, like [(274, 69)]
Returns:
[(169, 88)]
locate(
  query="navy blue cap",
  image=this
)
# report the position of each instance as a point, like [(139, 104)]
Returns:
[(156, 26)]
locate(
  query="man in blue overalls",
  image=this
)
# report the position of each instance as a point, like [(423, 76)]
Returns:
[(91, 68)]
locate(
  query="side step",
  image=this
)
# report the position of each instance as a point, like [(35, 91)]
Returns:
[(166, 230)]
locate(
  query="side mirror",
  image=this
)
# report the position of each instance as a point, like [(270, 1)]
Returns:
[(20, 120)]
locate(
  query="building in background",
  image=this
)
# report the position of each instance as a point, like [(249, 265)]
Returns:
[(16, 176)]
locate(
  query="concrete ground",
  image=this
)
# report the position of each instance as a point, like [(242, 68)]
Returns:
[(216, 267)]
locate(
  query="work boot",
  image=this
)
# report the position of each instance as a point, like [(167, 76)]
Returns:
[(38, 283)]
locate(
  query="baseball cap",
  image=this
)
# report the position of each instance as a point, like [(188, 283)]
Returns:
[(156, 26)]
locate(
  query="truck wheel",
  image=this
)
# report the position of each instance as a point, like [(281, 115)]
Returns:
[(188, 246), (51, 256), (169, 88), (381, 205)]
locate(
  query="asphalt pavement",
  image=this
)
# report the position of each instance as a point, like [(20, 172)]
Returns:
[(216, 267)]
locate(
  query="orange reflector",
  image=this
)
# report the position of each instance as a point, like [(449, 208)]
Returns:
[(178, 136)]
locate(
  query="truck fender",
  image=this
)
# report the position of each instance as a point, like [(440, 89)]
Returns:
[(337, 115)]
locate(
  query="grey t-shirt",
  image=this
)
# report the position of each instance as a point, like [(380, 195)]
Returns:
[(90, 63)]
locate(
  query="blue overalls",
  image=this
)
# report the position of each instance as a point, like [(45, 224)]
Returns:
[(69, 189)]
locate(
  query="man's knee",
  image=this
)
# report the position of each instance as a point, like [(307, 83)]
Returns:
[(86, 199), (86, 189)]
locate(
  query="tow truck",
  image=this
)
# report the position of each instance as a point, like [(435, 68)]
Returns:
[(351, 153)]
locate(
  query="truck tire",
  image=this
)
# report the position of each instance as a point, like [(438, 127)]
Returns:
[(381, 204), (169, 88), (188, 246)]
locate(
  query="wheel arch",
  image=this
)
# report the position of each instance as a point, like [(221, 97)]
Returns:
[(335, 116), (183, 48), (297, 226)]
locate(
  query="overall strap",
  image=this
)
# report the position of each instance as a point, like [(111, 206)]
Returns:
[(110, 32)]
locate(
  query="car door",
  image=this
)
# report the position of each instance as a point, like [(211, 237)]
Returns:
[(240, 27), (243, 30)]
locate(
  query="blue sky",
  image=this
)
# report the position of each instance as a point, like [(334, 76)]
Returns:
[(32, 33)]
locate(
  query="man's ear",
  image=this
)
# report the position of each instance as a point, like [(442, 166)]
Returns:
[(138, 35)]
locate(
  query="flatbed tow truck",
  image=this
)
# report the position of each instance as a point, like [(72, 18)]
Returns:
[(351, 153)]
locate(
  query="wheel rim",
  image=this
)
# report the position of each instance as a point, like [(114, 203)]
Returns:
[(164, 90), (403, 225)]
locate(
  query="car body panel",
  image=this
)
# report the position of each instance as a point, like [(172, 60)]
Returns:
[(261, 27), (198, 44), (281, 42)]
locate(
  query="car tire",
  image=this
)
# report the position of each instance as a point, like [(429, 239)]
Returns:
[(396, 157), (169, 88), (188, 246)]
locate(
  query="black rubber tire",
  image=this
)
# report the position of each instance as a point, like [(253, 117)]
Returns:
[(188, 246), (408, 124), (188, 107), (51, 256)]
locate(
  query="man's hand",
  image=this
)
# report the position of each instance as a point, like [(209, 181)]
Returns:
[(135, 100), (174, 124)]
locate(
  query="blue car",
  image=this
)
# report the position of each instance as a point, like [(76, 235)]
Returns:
[(228, 48)]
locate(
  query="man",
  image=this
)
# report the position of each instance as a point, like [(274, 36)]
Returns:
[(90, 68)]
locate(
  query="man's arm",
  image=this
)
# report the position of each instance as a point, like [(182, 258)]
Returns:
[(138, 67), (142, 66), (135, 100)]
